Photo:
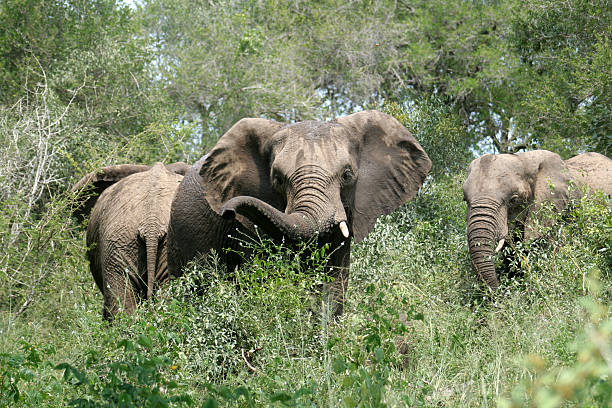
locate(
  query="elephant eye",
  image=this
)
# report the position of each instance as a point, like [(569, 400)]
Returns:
[(277, 179), (347, 175), (515, 199)]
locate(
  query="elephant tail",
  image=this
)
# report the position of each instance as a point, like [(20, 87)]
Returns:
[(151, 246)]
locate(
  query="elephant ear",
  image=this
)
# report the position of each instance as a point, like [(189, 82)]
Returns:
[(178, 168), (89, 187), (239, 165), (392, 167), (550, 183)]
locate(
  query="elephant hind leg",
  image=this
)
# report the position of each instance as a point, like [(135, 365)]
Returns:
[(119, 295), (118, 280)]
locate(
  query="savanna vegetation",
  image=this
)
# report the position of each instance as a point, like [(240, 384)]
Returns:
[(90, 83)]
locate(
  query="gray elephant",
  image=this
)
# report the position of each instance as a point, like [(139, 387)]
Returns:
[(294, 181), (509, 189), (127, 229)]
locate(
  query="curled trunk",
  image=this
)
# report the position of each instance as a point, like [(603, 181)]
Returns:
[(295, 226), (482, 232)]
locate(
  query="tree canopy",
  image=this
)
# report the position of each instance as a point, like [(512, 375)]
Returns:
[(174, 75)]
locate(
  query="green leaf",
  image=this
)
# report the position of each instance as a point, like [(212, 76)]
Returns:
[(211, 403), (280, 397), (380, 354), (349, 402), (338, 365), (145, 341)]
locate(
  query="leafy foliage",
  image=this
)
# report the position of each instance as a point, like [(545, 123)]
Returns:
[(566, 58), (16, 368), (137, 380), (90, 83), (587, 379), (439, 130)]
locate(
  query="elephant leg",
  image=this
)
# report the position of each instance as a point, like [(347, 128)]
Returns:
[(161, 271), (119, 291), (119, 295), (338, 268)]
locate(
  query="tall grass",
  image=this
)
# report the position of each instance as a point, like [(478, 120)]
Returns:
[(417, 328)]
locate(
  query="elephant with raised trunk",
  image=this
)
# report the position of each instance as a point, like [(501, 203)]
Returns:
[(127, 229), (296, 181), (509, 189)]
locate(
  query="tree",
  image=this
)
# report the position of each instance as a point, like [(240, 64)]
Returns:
[(297, 60), (519, 74), (231, 59), (566, 53)]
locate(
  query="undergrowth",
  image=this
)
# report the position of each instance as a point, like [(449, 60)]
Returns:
[(418, 330)]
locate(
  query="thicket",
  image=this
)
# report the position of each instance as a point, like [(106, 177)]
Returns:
[(90, 83), (417, 330)]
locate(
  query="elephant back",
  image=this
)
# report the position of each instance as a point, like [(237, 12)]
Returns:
[(593, 170)]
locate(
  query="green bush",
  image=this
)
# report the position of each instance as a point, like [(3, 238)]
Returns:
[(416, 331), (586, 381), (138, 378)]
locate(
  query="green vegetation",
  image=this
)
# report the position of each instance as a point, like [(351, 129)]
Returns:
[(90, 83), (416, 331)]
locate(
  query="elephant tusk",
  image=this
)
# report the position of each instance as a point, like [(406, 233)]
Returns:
[(344, 229), (500, 245)]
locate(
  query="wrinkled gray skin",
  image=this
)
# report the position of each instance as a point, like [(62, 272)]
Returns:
[(296, 181), (509, 189), (127, 230)]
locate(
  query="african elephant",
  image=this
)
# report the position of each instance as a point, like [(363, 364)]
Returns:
[(294, 181), (508, 189), (127, 229)]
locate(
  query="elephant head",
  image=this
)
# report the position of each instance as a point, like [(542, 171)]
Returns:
[(509, 189), (297, 180)]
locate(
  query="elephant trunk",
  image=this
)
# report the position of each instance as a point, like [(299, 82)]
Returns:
[(483, 230), (295, 226)]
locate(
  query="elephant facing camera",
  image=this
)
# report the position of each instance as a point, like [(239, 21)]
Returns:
[(513, 199), (294, 182)]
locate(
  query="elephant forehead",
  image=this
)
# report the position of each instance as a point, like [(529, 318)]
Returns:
[(497, 165), (326, 151), (310, 129), (494, 173)]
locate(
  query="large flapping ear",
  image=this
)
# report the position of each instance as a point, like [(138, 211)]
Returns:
[(178, 168), (239, 165), (89, 188), (392, 167), (550, 184)]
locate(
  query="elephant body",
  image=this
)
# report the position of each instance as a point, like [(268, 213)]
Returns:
[(127, 231), (294, 182), (591, 170), (506, 191)]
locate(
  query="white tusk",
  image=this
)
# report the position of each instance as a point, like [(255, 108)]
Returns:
[(500, 245), (344, 229)]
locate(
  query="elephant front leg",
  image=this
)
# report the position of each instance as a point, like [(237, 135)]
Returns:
[(338, 267)]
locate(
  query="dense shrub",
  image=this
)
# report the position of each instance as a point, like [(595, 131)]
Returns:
[(417, 330)]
